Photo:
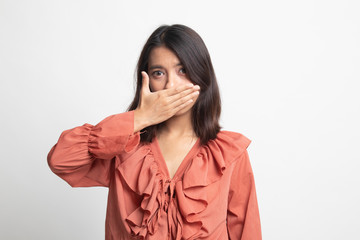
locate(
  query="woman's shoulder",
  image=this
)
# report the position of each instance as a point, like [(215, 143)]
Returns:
[(232, 140), (234, 137), (228, 145)]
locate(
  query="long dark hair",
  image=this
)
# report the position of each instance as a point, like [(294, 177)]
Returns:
[(194, 56)]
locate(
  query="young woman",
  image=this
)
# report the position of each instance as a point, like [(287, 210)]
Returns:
[(171, 172)]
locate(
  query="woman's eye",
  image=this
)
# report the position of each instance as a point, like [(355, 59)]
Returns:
[(182, 70), (157, 73)]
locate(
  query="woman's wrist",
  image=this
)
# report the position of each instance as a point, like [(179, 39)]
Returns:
[(140, 121)]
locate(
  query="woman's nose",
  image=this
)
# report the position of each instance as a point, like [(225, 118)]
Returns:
[(172, 81)]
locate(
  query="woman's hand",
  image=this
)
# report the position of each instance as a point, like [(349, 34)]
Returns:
[(157, 107)]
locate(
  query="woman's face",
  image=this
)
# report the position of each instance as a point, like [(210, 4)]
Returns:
[(166, 71)]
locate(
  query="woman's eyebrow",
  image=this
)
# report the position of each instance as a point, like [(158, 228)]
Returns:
[(155, 66), (159, 66)]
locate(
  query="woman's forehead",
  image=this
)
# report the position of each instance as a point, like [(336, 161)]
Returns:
[(163, 56)]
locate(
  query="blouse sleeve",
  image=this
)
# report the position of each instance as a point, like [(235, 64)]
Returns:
[(243, 219), (83, 155)]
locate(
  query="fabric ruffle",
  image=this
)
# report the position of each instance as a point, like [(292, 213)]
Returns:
[(142, 174), (206, 168)]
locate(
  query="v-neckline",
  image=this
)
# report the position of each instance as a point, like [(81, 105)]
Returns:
[(183, 163)]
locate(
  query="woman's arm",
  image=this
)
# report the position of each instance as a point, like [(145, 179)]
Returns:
[(243, 219), (83, 155)]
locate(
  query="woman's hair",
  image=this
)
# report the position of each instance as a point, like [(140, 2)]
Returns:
[(195, 58)]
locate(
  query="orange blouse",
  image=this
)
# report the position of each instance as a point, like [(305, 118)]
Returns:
[(211, 196)]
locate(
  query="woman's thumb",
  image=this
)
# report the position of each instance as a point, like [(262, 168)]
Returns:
[(145, 82)]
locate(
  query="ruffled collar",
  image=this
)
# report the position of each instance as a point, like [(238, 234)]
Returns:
[(178, 202)]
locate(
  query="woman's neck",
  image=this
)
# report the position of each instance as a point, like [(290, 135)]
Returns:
[(178, 126)]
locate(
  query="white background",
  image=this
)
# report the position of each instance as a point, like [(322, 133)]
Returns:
[(289, 77)]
